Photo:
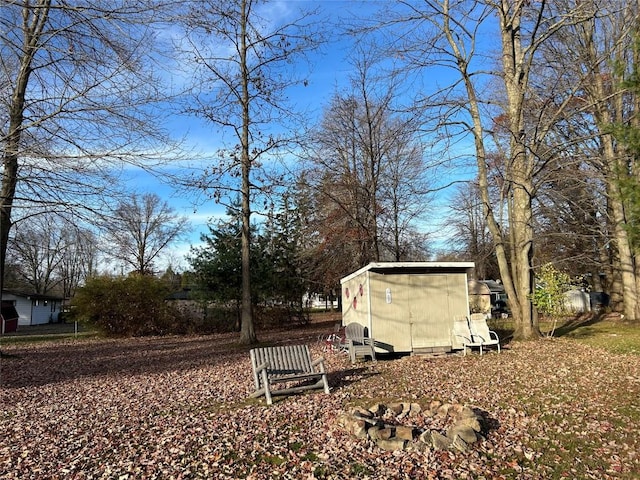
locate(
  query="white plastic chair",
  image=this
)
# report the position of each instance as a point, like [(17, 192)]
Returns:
[(463, 332), (480, 332)]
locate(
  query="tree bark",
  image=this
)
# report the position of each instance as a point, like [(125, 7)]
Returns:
[(247, 330), (34, 20)]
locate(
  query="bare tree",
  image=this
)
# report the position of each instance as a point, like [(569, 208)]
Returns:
[(367, 172), (77, 100), (140, 229), (38, 247), (50, 253), (446, 36), (243, 65), (471, 233), (80, 259), (599, 54)]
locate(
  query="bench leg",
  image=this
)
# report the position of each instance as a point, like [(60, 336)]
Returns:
[(326, 383), (265, 384)]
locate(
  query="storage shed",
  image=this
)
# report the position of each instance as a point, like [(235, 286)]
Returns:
[(408, 306)]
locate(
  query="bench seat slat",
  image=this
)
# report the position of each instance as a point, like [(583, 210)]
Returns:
[(283, 364)]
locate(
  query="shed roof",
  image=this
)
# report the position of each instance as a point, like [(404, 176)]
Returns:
[(494, 285), (398, 268)]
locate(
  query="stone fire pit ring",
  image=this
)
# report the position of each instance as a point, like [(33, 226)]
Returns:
[(410, 426)]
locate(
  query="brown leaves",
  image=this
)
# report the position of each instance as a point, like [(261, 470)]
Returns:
[(177, 408)]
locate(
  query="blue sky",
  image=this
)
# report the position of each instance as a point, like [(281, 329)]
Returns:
[(329, 70), (326, 71)]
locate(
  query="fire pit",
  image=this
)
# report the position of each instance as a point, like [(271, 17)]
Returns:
[(409, 426)]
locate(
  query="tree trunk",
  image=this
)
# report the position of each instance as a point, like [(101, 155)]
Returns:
[(34, 21), (247, 331), (519, 171), (623, 261)]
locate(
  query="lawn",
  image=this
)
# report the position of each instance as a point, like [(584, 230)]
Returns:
[(177, 407)]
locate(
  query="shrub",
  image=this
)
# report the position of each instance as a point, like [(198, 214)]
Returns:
[(548, 296), (130, 306)]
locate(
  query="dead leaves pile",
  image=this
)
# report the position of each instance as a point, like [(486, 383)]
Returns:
[(177, 408)]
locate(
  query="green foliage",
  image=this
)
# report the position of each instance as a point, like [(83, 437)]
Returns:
[(133, 305), (630, 193), (217, 265), (548, 296), (627, 133), (276, 277)]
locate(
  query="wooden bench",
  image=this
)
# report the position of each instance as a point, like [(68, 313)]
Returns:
[(287, 363)]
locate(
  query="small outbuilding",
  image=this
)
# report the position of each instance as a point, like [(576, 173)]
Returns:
[(479, 297), (577, 301), (408, 306)]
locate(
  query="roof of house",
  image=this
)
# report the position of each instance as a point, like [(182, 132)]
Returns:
[(478, 288), (31, 295)]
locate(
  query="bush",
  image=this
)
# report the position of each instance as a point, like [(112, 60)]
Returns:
[(129, 306), (548, 295)]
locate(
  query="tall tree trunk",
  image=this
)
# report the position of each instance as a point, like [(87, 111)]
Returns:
[(623, 261), (604, 102), (516, 69), (34, 19), (247, 331)]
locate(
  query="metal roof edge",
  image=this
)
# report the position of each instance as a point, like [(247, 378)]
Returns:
[(417, 265)]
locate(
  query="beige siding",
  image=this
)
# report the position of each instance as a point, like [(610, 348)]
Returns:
[(408, 311), (458, 303), (429, 307), (391, 322), (355, 301)]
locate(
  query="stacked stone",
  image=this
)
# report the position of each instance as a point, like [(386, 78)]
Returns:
[(383, 425)]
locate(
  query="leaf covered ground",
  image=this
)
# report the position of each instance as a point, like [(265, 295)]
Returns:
[(177, 407)]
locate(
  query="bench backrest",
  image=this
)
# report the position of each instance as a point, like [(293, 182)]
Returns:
[(282, 361)]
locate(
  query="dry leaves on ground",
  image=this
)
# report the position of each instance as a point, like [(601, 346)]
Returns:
[(177, 407)]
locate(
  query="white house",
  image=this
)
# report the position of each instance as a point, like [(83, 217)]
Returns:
[(33, 308), (317, 300)]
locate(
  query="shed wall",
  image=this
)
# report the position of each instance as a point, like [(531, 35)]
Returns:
[(408, 311), (356, 301), (23, 307), (391, 317)]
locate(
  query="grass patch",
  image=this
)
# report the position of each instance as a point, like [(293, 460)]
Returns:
[(601, 331), (273, 460), (613, 336), (359, 470), (49, 332), (27, 339)]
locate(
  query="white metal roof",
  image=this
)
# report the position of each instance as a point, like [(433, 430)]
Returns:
[(409, 266)]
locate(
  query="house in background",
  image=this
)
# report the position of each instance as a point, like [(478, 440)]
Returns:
[(318, 300), (33, 308)]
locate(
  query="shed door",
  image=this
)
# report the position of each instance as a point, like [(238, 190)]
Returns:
[(429, 311)]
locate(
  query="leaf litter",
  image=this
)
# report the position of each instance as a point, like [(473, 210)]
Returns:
[(177, 408)]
